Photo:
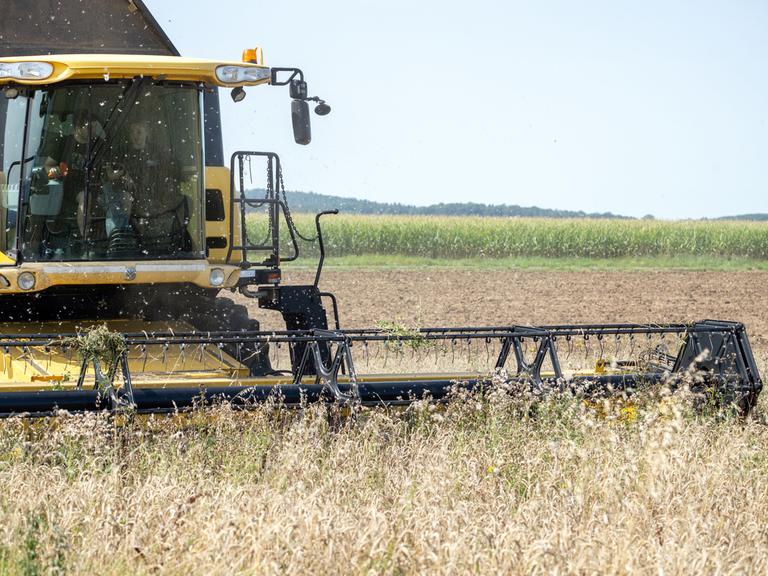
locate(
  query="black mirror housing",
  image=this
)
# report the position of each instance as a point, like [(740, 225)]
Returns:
[(302, 129)]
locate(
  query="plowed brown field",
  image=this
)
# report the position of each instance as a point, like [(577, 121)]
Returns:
[(437, 297)]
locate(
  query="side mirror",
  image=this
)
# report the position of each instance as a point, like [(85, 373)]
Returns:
[(302, 130)]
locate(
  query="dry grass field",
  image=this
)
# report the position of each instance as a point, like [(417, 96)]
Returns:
[(494, 485)]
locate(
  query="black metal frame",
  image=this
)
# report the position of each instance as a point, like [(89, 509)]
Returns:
[(238, 201), (238, 198), (714, 356)]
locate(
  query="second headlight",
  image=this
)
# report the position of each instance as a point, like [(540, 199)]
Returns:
[(230, 74)]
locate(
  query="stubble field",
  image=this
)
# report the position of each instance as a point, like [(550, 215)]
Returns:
[(494, 485)]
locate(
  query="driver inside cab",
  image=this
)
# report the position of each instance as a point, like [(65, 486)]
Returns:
[(71, 165)]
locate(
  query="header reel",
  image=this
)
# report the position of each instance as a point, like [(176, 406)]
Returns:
[(166, 372)]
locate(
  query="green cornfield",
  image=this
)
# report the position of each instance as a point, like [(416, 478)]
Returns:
[(472, 237)]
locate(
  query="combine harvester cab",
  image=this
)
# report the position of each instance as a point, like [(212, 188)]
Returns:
[(122, 225)]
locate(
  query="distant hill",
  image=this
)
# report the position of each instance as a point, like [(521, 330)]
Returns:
[(757, 217), (312, 202)]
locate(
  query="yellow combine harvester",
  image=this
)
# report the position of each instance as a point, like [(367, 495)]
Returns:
[(118, 210)]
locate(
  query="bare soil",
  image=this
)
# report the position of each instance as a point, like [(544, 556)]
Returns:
[(446, 297)]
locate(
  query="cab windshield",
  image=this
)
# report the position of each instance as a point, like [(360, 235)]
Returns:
[(104, 171)]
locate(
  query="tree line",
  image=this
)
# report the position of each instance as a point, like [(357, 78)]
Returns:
[(312, 202)]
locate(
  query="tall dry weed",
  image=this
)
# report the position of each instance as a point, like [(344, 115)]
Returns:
[(485, 485)]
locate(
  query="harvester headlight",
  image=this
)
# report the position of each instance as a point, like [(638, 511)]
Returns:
[(237, 74), (217, 277), (26, 70), (26, 280)]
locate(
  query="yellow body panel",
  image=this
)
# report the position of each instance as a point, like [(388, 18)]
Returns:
[(111, 66), (217, 178), (40, 368), (48, 274)]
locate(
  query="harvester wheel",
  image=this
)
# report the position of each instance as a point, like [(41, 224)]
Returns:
[(225, 315)]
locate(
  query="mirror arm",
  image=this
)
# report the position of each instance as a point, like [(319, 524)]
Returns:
[(295, 72), (298, 86)]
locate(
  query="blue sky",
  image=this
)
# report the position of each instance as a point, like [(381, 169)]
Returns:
[(654, 107)]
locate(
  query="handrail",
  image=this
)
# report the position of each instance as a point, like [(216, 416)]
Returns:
[(320, 241)]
